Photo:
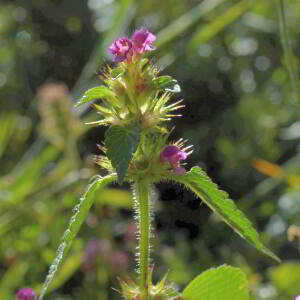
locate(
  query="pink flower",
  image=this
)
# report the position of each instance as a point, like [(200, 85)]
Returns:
[(298, 297), (142, 40), (173, 155), (26, 294), (121, 49)]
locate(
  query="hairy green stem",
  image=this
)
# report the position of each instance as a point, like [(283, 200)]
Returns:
[(144, 233), (290, 61)]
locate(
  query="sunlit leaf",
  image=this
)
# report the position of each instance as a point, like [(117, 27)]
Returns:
[(197, 181), (225, 282), (167, 83), (98, 92)]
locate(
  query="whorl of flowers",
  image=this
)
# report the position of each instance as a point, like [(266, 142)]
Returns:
[(124, 48)]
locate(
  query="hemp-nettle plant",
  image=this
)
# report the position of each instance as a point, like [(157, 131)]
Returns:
[(135, 104)]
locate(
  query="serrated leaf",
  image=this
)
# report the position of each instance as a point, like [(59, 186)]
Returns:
[(121, 143), (197, 181), (95, 93), (70, 266), (225, 282), (167, 83)]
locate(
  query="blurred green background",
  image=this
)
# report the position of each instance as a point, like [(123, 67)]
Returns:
[(228, 57)]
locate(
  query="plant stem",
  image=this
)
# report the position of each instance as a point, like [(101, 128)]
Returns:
[(144, 232), (290, 60)]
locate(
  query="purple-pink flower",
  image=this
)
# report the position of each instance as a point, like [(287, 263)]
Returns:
[(298, 297), (26, 294), (121, 49), (173, 155), (124, 48), (142, 40)]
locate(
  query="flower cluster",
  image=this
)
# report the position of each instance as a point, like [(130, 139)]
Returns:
[(26, 294), (123, 49)]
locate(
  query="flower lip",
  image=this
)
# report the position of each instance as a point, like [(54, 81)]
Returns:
[(173, 155), (26, 294), (121, 49), (142, 40), (169, 151)]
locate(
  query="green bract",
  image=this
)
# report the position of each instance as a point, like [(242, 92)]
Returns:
[(100, 92)]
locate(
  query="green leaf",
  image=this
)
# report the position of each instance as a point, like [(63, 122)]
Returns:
[(162, 80), (286, 278), (80, 214), (67, 270), (225, 282), (197, 181), (29, 177), (167, 83), (95, 93), (121, 143), (117, 72)]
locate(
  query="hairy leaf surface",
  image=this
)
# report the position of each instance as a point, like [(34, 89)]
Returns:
[(197, 181)]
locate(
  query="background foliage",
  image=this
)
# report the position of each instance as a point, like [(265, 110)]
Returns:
[(228, 58)]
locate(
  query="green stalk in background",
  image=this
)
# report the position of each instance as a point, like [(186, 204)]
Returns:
[(288, 52)]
